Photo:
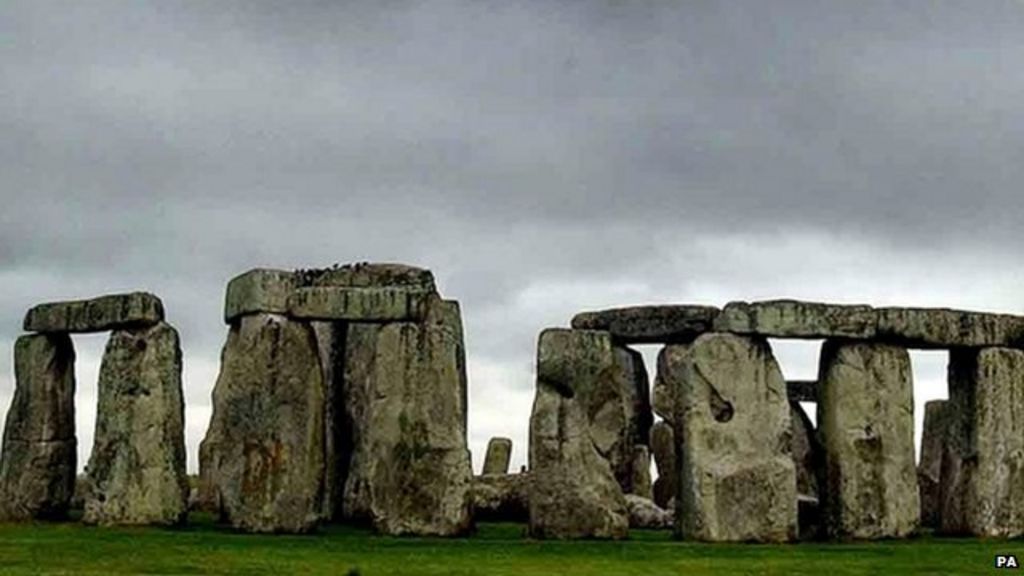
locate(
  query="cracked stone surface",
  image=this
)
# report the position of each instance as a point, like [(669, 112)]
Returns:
[(737, 480), (866, 427)]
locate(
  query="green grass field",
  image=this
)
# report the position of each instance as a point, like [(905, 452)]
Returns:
[(496, 549)]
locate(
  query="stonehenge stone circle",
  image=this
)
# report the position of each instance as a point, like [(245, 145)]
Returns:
[(342, 396), (866, 426), (136, 474), (136, 309), (262, 461), (574, 493), (38, 465), (736, 475), (499, 453), (929, 468), (410, 470), (982, 476)]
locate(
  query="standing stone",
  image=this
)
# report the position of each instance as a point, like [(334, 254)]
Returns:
[(929, 469), (37, 468), (619, 412), (263, 458), (574, 493), (982, 485), (405, 402), (806, 452), (736, 476), (499, 453), (866, 426), (136, 473), (640, 484), (664, 449)]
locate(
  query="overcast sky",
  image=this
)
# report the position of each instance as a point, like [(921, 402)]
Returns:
[(541, 158)]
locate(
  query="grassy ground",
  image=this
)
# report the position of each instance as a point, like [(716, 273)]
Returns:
[(496, 549)]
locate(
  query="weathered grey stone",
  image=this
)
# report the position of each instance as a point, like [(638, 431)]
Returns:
[(619, 413), (663, 403), (262, 460), (260, 290), (574, 493), (501, 497), (866, 427), (736, 476), (944, 328), (806, 452), (664, 449), (405, 397), (369, 275), (137, 468), (796, 319), (131, 310), (37, 468), (929, 468), (499, 453), (641, 482), (645, 514), (358, 304), (802, 390), (982, 479), (650, 324)]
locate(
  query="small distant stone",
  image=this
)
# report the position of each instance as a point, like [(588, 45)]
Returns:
[(131, 310), (499, 452)]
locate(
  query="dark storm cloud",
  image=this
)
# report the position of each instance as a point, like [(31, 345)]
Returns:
[(541, 157)]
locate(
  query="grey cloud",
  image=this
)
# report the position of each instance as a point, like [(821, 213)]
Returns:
[(540, 157)]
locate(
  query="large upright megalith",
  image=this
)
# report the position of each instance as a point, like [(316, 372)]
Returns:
[(136, 473), (619, 412), (574, 493), (982, 478), (732, 430), (262, 460), (405, 394), (866, 426), (37, 467)]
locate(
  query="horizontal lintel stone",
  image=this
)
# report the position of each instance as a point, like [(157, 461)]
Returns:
[(134, 309), (261, 290), (797, 319), (358, 304), (650, 324)]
